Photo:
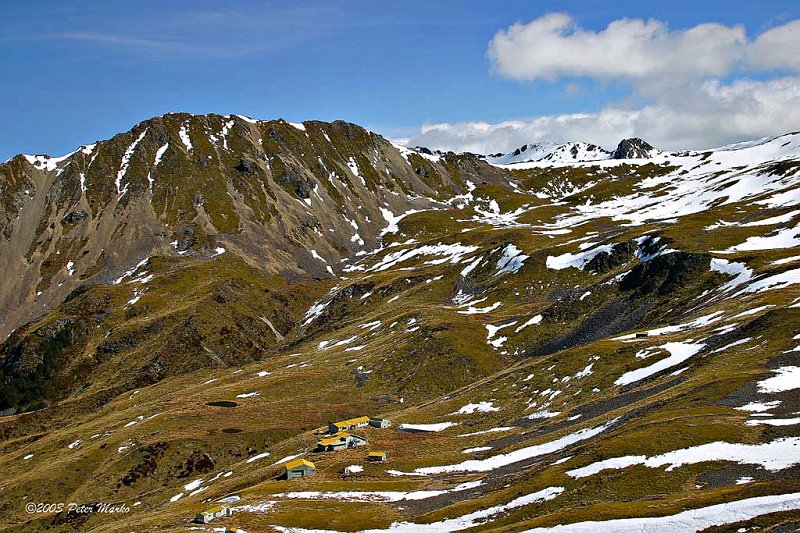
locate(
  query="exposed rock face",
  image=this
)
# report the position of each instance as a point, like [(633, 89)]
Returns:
[(633, 148), (619, 255)]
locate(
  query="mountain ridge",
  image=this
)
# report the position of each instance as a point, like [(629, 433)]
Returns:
[(127, 184)]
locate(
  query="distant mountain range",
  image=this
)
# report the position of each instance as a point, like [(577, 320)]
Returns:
[(571, 152)]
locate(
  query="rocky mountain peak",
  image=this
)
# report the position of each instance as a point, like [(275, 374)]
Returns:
[(633, 148)]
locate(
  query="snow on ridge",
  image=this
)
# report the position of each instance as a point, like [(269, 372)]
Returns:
[(426, 427), (579, 260), (785, 378), (156, 162), (376, 496), (782, 238), (574, 152), (160, 154), (460, 523), (522, 454), (472, 310), (512, 260), (699, 180), (314, 311), (530, 322), (526, 152), (184, 135), (740, 270), (698, 322), (248, 119), (450, 252), (773, 456), (479, 407), (405, 151), (764, 149), (470, 267), (257, 457), (286, 459), (132, 271), (759, 407), (392, 219), (50, 163), (679, 352), (492, 331), (493, 215), (126, 159), (551, 153), (687, 521), (226, 129), (772, 282)]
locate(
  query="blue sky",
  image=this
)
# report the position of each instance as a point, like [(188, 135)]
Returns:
[(77, 72)]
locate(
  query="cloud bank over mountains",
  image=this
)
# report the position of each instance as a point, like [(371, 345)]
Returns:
[(699, 87)]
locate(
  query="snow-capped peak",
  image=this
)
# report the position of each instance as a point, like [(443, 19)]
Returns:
[(551, 152), (526, 152)]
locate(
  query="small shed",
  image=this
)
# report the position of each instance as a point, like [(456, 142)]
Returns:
[(380, 423), (348, 425), (376, 457), (352, 469), (204, 517), (355, 441), (299, 468)]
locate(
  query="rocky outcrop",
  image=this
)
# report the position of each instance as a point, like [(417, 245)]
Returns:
[(633, 148)]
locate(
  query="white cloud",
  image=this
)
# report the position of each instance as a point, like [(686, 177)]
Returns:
[(637, 50), (777, 48), (687, 86), (553, 46), (701, 115)]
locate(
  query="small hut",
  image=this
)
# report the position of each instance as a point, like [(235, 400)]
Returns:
[(299, 468), (380, 423), (204, 517)]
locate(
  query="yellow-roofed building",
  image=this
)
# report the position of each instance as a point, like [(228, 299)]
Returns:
[(340, 441), (348, 425), (299, 468), (376, 457), (208, 515)]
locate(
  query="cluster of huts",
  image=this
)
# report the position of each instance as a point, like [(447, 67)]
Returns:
[(338, 438)]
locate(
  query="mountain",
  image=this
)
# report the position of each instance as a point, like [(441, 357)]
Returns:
[(634, 148), (598, 343), (526, 152), (551, 153), (571, 152)]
